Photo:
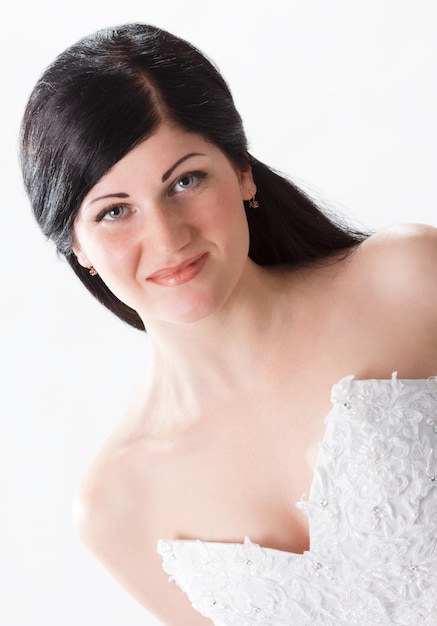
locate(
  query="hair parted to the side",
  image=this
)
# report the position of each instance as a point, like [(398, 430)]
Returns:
[(110, 91)]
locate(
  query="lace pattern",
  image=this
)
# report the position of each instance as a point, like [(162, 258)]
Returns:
[(372, 513)]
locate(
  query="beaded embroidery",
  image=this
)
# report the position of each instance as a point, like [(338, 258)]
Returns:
[(372, 515)]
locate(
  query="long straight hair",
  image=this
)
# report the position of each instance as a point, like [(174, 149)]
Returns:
[(110, 91)]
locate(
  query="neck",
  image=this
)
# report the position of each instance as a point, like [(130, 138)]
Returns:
[(226, 348)]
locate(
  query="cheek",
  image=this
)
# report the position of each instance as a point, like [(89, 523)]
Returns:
[(113, 250), (119, 254), (227, 216), (118, 268), (115, 259), (235, 224)]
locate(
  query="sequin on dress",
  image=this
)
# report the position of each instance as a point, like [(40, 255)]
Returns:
[(372, 513)]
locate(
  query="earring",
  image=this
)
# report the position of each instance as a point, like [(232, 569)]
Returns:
[(253, 203), (92, 271)]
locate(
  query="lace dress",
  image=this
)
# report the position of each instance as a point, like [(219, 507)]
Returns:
[(372, 513)]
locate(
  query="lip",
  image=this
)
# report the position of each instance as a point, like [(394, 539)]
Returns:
[(179, 274)]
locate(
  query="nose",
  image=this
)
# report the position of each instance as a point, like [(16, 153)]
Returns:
[(166, 232)]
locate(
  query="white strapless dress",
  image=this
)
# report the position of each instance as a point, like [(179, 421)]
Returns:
[(372, 513)]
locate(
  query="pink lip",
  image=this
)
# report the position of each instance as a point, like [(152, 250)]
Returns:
[(179, 274)]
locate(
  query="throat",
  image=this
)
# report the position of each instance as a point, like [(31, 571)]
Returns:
[(236, 339)]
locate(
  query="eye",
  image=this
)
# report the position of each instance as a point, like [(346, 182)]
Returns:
[(113, 213), (187, 181)]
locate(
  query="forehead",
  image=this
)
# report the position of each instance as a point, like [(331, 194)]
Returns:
[(158, 150), (154, 158)]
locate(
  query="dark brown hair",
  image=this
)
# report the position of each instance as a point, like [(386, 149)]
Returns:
[(110, 91)]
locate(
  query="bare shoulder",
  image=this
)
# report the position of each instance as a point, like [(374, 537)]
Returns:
[(401, 262), (391, 287), (120, 515), (106, 511), (102, 499), (414, 240)]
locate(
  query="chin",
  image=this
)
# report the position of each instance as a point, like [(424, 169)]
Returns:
[(187, 312)]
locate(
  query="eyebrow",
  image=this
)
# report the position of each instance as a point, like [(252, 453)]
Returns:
[(165, 176), (168, 173), (111, 195)]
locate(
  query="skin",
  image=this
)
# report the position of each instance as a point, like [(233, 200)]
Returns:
[(223, 434)]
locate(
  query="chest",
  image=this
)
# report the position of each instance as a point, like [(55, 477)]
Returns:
[(243, 474), (372, 518)]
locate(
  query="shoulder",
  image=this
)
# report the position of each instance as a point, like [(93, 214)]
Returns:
[(114, 518), (103, 500), (409, 241), (393, 278), (401, 262), (117, 480), (117, 503), (121, 510)]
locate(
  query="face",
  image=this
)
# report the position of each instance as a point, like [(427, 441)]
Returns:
[(166, 229)]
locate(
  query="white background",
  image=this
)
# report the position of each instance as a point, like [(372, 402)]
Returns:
[(338, 94)]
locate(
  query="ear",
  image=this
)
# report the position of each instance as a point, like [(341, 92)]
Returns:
[(81, 256), (247, 184)]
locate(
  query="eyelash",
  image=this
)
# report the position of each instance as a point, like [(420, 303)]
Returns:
[(101, 216), (197, 176)]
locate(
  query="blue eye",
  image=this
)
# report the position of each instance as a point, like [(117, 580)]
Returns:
[(187, 181), (113, 213)]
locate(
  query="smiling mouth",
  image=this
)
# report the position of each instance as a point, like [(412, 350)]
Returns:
[(180, 274)]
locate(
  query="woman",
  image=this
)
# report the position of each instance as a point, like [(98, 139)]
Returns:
[(256, 305)]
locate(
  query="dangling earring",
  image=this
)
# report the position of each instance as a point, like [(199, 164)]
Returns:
[(253, 203), (92, 271)]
